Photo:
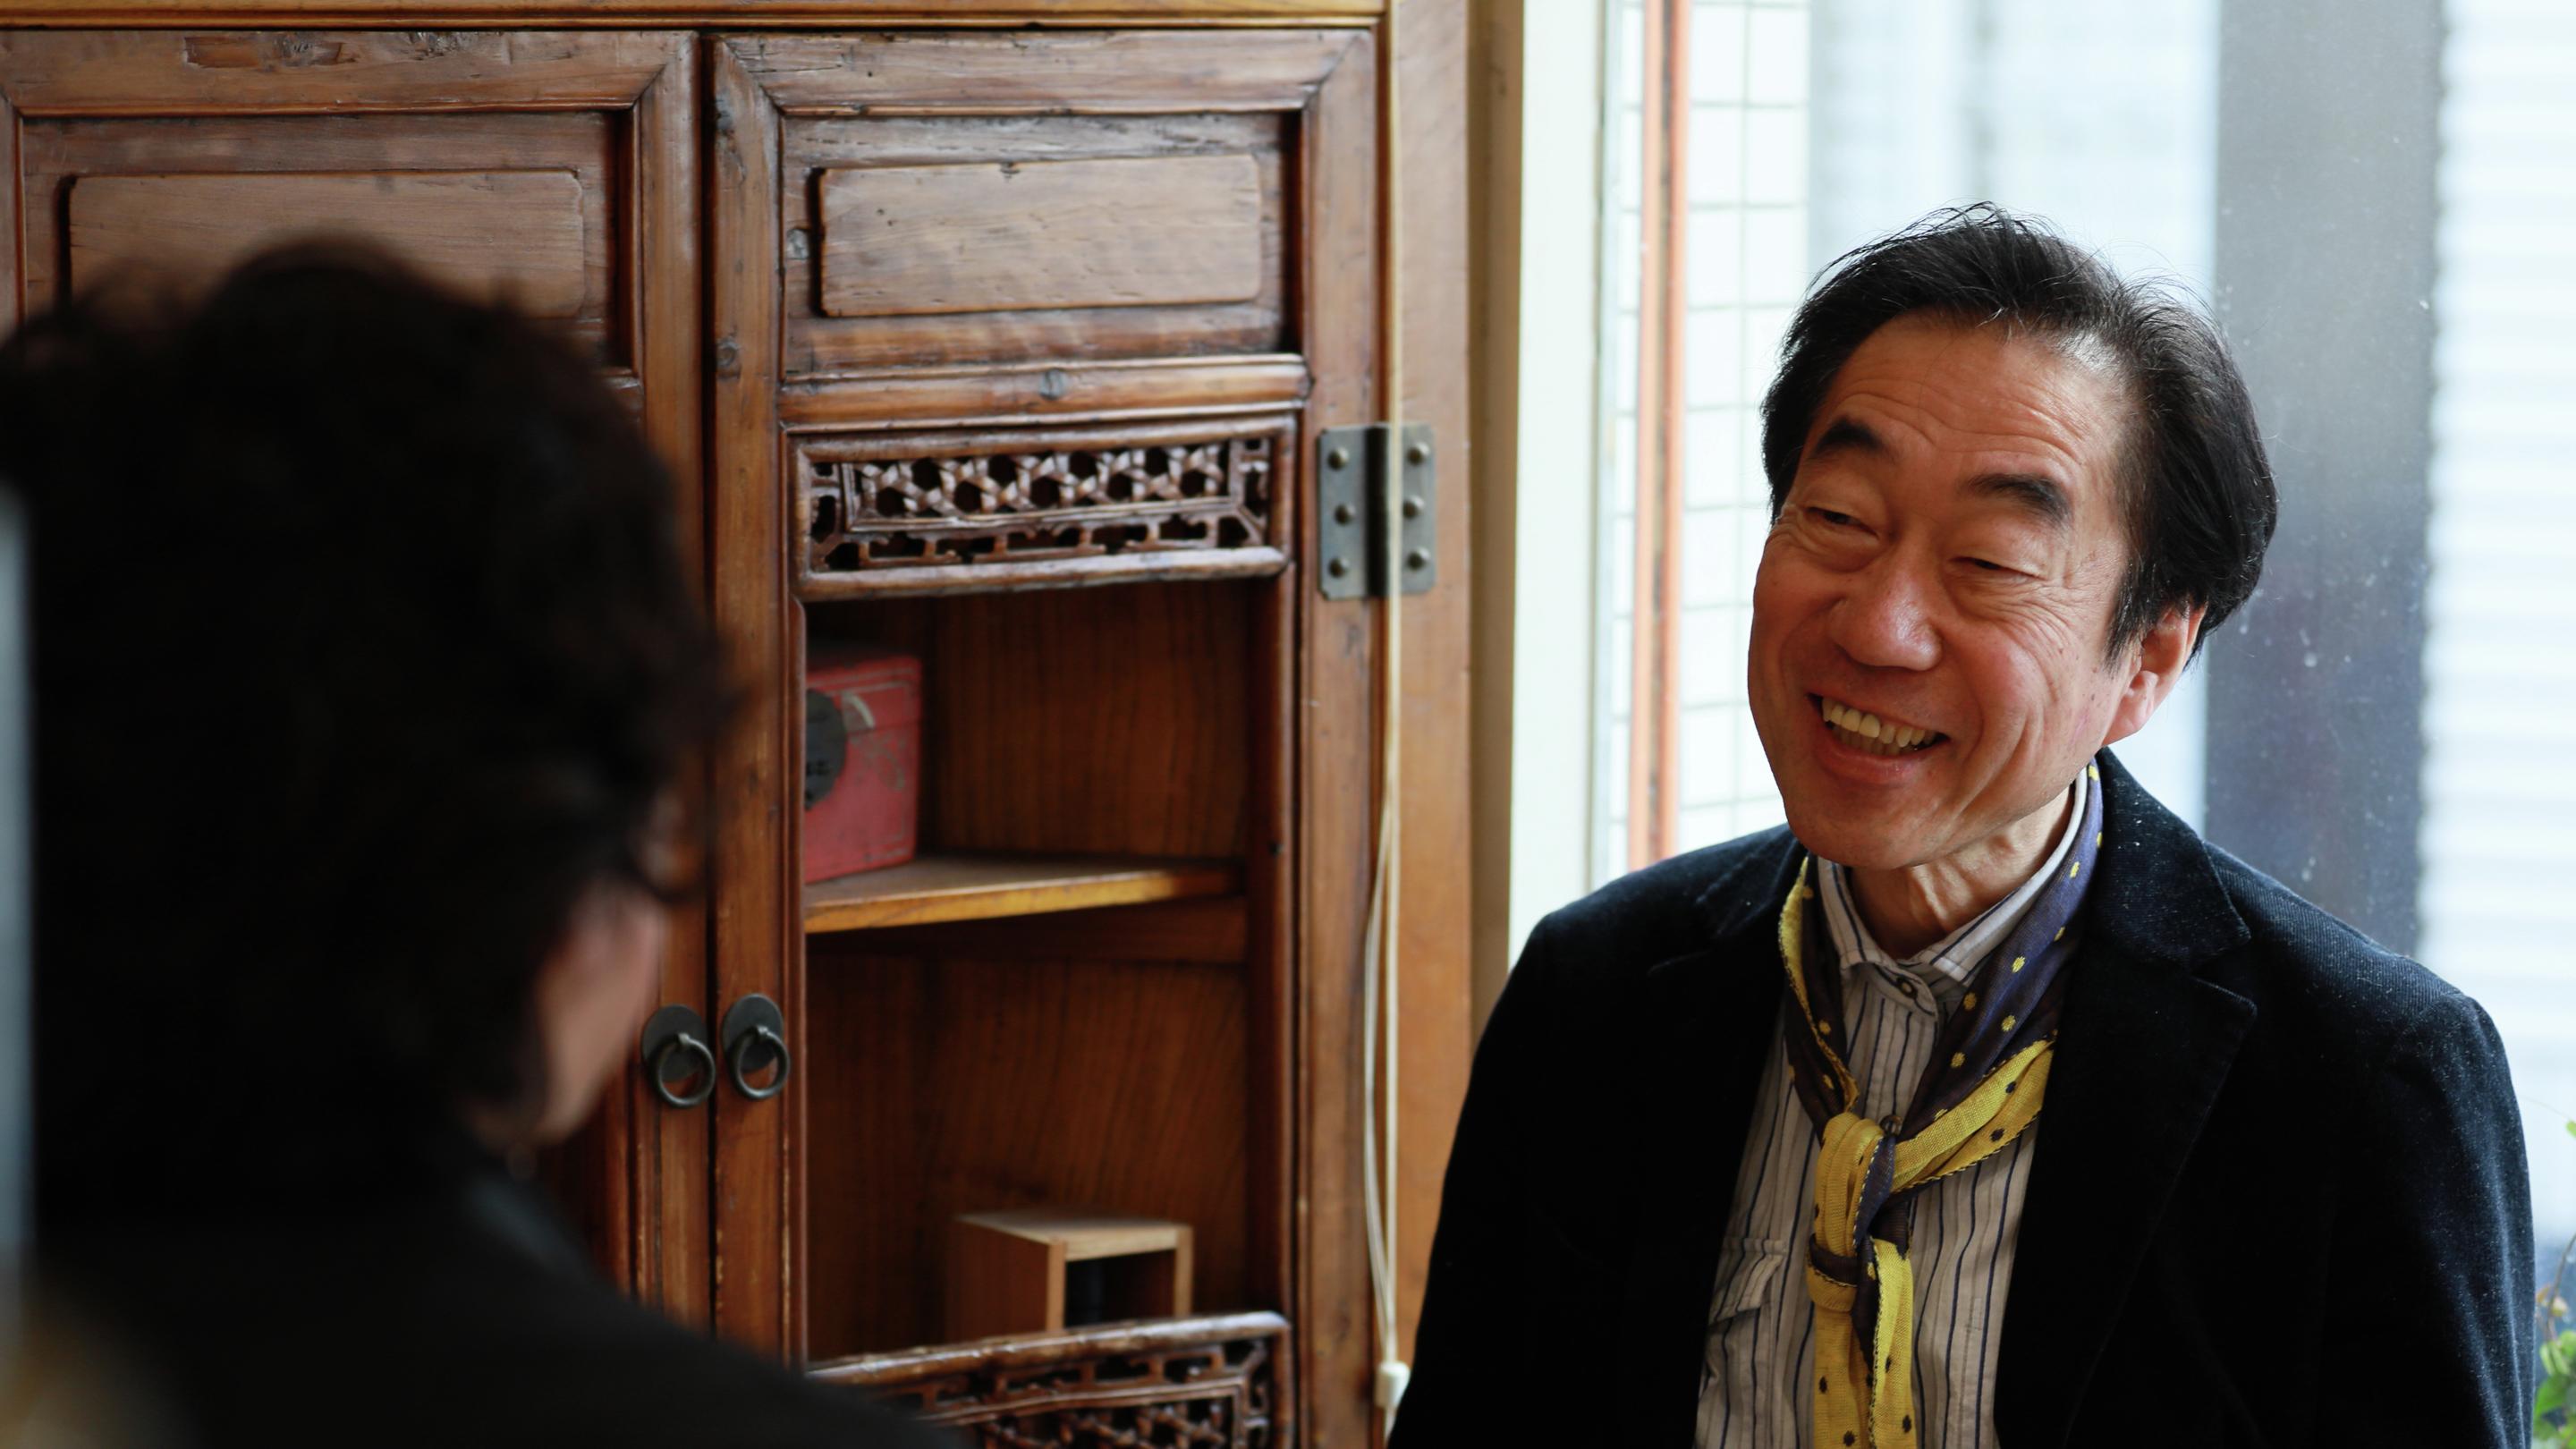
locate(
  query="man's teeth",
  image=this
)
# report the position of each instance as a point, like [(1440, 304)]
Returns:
[(1869, 732)]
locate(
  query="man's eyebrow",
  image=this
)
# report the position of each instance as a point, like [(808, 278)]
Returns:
[(2041, 497), (1847, 435)]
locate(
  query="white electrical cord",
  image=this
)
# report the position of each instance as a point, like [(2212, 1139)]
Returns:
[(1378, 966), (1379, 980)]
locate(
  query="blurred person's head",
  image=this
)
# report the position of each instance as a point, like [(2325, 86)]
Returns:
[(365, 668)]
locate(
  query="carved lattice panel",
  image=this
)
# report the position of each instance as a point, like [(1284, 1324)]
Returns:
[(1208, 1384), (918, 512)]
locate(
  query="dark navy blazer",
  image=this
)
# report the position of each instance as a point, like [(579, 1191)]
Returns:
[(2281, 1199)]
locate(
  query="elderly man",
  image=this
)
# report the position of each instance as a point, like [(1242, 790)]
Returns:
[(1985, 1103)]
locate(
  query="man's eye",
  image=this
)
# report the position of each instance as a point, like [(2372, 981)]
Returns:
[(1831, 519)]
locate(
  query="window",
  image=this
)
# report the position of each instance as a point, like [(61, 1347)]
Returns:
[(2376, 212), (2496, 898)]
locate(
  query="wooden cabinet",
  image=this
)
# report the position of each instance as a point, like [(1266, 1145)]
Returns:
[(1008, 348)]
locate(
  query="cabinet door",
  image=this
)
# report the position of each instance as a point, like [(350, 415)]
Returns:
[(554, 169), (1006, 316)]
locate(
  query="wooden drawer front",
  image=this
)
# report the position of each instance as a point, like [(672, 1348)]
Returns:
[(954, 509), (1010, 236), (918, 240), (515, 234), (961, 201), (544, 168), (521, 206)]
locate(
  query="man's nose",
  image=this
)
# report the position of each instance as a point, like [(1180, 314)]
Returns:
[(1886, 620)]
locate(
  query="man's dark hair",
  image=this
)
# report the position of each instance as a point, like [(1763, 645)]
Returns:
[(362, 651), (2198, 491)]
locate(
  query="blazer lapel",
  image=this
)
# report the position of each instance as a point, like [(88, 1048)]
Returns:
[(2143, 1047), (1713, 1014)]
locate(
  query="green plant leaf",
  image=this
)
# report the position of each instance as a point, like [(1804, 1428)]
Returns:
[(2571, 1129)]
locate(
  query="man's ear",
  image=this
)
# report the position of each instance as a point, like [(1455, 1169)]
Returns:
[(2155, 665)]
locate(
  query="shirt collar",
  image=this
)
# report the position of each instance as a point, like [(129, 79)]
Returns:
[(1946, 964)]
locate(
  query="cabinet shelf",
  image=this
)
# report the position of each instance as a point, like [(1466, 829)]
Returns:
[(975, 886)]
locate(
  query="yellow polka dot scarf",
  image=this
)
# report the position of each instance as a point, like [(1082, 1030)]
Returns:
[(1988, 1075)]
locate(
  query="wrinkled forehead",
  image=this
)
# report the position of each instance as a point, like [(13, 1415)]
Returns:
[(1988, 389)]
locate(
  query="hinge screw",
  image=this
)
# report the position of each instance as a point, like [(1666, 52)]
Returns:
[(1417, 559), (1337, 567), (1418, 454), (1413, 508), (1343, 513), (1338, 459)]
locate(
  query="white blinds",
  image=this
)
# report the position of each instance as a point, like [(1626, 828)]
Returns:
[(2497, 898)]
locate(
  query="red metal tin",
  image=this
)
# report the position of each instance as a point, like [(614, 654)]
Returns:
[(862, 759)]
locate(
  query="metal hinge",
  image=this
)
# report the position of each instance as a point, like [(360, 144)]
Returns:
[(1353, 469)]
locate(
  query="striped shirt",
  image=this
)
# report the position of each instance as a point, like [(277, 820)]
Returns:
[(1761, 1334)]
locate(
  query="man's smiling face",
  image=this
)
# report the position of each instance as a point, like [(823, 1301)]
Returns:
[(1931, 612)]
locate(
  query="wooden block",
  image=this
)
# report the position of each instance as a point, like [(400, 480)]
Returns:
[(1027, 1270), (1001, 1282), (486, 233), (991, 237)]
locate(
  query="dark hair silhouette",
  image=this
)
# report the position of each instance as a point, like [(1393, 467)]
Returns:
[(2198, 490), (362, 650)]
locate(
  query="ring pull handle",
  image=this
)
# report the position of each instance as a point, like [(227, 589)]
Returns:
[(703, 1063), (755, 1035), (742, 1061), (675, 1040)]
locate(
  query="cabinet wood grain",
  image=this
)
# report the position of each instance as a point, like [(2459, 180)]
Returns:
[(1009, 236), (512, 236)]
